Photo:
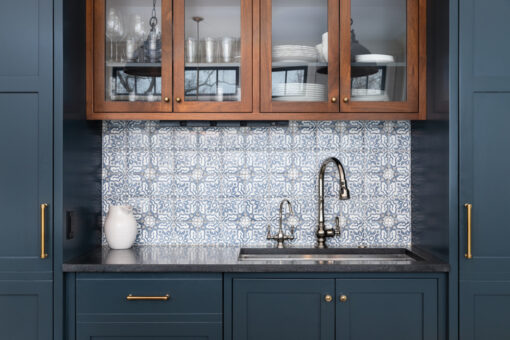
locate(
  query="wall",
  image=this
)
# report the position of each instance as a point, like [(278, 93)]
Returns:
[(223, 186), (430, 143)]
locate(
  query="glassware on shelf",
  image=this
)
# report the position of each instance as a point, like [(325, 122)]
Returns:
[(227, 49), (210, 50), (118, 33), (191, 50), (111, 21)]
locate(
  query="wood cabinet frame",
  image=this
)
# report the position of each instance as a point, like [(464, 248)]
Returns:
[(96, 61), (245, 105), (256, 103), (267, 105), (416, 64)]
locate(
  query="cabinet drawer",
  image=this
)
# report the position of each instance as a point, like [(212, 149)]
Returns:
[(187, 293)]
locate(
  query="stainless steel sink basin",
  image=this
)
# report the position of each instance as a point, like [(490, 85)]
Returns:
[(348, 256)]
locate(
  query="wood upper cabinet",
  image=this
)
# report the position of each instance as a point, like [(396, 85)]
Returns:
[(299, 56), (383, 57), (129, 58), (213, 56), (256, 59)]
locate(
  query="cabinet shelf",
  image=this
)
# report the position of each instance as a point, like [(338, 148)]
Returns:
[(212, 65), (398, 64), (298, 64), (131, 64)]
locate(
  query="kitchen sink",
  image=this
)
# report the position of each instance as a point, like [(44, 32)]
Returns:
[(330, 255)]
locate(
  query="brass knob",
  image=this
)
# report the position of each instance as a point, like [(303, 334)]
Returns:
[(343, 298), (328, 298), (346, 100), (334, 100), (166, 99), (178, 99)]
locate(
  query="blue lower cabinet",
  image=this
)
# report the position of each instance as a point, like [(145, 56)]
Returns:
[(149, 306), (282, 309), (387, 309), (485, 310), (330, 308), (26, 309)]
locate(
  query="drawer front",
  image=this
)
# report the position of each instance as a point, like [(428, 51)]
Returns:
[(187, 293)]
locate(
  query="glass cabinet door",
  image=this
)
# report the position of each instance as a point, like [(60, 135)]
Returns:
[(212, 55), (132, 56), (299, 55), (379, 55)]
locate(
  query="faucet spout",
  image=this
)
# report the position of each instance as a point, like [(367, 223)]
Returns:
[(322, 232)]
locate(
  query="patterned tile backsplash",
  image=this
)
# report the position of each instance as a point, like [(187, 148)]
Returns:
[(223, 185)]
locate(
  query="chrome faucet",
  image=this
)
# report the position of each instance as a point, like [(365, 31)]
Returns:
[(281, 237), (322, 232)]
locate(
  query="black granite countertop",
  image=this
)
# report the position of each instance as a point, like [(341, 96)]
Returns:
[(225, 259)]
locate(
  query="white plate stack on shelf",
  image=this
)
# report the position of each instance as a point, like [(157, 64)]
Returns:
[(300, 92), (369, 95), (374, 58), (295, 53)]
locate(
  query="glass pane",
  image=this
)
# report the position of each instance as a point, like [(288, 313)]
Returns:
[(212, 50), (379, 50), (300, 50), (133, 50)]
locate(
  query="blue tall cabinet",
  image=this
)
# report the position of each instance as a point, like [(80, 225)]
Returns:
[(26, 175), (484, 106)]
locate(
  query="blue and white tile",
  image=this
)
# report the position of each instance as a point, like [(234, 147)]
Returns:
[(224, 185)]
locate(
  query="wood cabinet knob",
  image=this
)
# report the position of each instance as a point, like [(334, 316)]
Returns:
[(334, 100), (328, 298), (343, 298), (178, 99), (346, 100), (167, 100)]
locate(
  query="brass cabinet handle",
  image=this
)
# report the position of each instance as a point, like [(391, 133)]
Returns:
[(334, 100), (328, 298), (469, 207), (43, 231), (167, 100), (178, 99), (346, 100), (131, 297), (343, 298)]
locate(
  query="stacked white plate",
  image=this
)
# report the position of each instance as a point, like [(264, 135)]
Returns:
[(300, 92), (295, 53), (369, 95), (374, 58)]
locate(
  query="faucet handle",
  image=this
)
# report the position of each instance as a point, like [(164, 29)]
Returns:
[(269, 236), (337, 225)]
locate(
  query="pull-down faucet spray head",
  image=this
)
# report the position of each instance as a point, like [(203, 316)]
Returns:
[(344, 192)]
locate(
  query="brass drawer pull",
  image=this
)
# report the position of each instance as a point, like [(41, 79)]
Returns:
[(343, 298), (43, 231), (131, 297), (328, 298), (469, 207)]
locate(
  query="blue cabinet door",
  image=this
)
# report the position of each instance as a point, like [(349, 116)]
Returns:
[(485, 310), (484, 135), (26, 61), (25, 182), (26, 173), (283, 309), (484, 169), (387, 309), (25, 309)]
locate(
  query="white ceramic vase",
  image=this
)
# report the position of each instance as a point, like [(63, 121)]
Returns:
[(120, 227)]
